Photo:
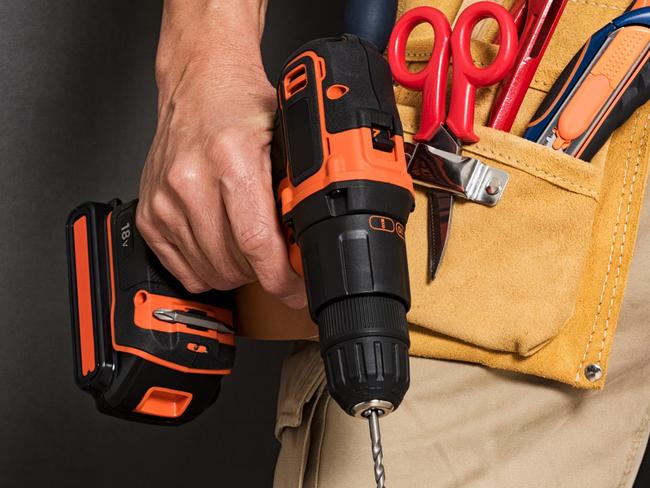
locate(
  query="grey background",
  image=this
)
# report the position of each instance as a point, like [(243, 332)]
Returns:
[(77, 113)]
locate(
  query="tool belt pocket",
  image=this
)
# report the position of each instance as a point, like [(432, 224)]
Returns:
[(534, 284), (510, 274)]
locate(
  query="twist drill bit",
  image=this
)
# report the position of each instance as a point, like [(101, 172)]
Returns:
[(377, 452)]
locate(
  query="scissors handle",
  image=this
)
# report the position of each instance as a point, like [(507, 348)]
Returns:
[(466, 76), (432, 79)]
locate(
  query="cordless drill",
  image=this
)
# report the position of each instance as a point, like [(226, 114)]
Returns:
[(345, 197)]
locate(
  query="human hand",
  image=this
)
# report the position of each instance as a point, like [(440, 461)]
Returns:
[(206, 202)]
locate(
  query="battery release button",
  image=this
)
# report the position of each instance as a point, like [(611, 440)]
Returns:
[(159, 401)]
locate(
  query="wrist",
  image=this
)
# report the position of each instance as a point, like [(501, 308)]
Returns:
[(217, 16), (219, 33)]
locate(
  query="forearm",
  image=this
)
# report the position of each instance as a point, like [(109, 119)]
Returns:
[(223, 33)]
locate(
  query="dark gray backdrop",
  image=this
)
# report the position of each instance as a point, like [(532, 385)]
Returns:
[(77, 113)]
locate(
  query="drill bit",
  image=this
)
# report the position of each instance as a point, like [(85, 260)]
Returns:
[(192, 319), (377, 453)]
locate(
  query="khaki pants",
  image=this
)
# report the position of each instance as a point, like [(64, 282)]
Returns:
[(462, 425)]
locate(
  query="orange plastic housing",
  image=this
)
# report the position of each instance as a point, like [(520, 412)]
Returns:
[(605, 80)]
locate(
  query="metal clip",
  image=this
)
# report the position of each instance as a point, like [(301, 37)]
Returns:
[(459, 175)]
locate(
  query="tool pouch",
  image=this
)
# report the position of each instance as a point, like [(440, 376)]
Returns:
[(136, 366), (535, 283)]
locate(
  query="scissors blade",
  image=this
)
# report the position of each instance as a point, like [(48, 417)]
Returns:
[(440, 206), (445, 140)]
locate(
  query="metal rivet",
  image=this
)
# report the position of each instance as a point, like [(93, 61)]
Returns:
[(593, 372), (494, 186)]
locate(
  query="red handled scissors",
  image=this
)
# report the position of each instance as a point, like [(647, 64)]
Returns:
[(466, 76)]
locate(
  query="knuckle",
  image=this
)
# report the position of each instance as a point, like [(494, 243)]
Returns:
[(141, 218), (162, 67), (144, 225), (159, 207), (194, 285), (255, 238), (228, 278), (223, 143), (183, 177), (223, 138)]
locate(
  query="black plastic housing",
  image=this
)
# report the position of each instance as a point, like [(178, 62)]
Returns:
[(350, 61), (364, 344), (356, 276), (351, 238)]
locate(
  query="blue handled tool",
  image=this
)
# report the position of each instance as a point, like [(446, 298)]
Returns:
[(605, 82)]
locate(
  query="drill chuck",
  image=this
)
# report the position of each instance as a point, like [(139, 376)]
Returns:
[(354, 264), (364, 345)]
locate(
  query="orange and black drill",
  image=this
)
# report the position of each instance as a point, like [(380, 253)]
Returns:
[(148, 350), (345, 197)]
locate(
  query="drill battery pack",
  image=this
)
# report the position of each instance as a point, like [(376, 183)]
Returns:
[(144, 347)]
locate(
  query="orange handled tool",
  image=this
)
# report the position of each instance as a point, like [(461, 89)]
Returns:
[(599, 89)]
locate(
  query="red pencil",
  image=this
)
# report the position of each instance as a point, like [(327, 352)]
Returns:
[(542, 17)]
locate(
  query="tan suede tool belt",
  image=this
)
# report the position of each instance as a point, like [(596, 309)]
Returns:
[(534, 284)]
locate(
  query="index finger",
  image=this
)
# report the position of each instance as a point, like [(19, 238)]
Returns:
[(253, 217)]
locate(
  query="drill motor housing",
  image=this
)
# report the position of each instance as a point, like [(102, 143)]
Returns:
[(345, 197)]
